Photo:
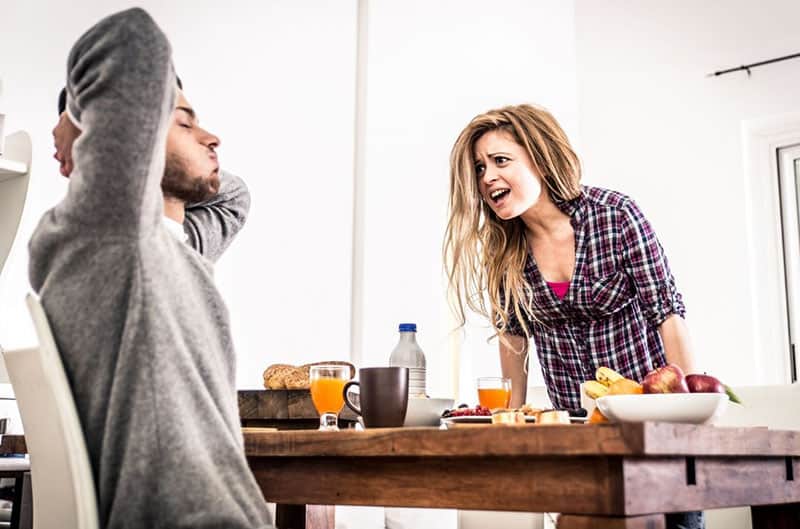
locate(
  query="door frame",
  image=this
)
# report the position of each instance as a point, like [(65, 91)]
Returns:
[(761, 140)]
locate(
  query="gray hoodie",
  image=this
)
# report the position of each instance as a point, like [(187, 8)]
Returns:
[(142, 330)]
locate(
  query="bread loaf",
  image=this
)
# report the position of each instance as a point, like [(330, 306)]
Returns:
[(285, 376)]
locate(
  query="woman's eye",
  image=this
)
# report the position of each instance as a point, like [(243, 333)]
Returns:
[(184, 125), (479, 169), (500, 160)]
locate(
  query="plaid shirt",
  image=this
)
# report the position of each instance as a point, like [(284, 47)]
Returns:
[(621, 291)]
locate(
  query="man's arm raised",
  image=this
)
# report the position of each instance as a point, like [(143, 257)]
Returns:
[(213, 224), (121, 89)]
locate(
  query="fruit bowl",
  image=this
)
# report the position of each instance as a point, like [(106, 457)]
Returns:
[(694, 408)]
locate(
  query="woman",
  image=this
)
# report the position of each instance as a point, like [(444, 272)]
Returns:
[(577, 268)]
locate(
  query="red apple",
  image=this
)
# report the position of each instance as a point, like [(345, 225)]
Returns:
[(708, 384), (667, 379), (704, 384)]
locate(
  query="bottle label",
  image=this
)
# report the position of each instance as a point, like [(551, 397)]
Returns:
[(416, 382)]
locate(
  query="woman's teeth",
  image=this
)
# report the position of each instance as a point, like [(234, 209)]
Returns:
[(498, 194)]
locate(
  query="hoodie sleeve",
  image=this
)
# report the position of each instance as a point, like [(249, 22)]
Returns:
[(121, 90), (212, 225)]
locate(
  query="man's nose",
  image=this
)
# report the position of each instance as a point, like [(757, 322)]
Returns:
[(210, 140)]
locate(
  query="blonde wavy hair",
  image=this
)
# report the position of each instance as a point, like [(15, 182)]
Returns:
[(484, 255)]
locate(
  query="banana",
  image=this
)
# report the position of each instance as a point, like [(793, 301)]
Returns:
[(594, 389), (607, 376)]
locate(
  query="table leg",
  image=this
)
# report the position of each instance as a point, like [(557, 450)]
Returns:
[(574, 521), (304, 516), (786, 516)]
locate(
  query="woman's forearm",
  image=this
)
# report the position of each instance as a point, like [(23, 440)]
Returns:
[(677, 346), (512, 362)]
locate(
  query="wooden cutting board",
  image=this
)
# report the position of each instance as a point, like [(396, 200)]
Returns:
[(288, 409)]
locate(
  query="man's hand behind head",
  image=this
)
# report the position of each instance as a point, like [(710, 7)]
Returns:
[(64, 135)]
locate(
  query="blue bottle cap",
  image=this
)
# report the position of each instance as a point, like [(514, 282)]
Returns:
[(408, 327)]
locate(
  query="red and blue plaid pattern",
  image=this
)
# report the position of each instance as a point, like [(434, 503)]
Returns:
[(621, 291)]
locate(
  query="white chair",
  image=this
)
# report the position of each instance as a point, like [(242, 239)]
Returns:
[(63, 487)]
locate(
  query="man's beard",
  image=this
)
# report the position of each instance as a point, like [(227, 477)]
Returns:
[(178, 183)]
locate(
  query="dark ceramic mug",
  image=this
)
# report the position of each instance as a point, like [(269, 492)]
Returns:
[(383, 396)]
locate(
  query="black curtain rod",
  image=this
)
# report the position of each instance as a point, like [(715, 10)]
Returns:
[(747, 67)]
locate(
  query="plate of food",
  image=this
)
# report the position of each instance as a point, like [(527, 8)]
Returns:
[(484, 420), (480, 415)]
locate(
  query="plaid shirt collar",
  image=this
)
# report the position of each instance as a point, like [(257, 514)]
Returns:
[(574, 207)]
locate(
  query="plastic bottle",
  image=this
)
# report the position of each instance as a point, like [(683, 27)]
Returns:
[(409, 354)]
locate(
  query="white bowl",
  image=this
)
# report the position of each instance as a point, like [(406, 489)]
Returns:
[(426, 412), (694, 408)]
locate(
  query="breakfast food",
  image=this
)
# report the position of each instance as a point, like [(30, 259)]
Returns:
[(597, 417), (553, 417), (608, 382), (594, 389), (281, 376), (530, 411), (606, 375), (285, 376), (666, 379), (625, 386), (511, 417), (464, 411)]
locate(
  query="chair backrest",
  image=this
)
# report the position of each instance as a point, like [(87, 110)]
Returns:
[(63, 487)]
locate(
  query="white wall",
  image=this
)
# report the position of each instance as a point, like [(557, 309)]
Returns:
[(653, 126), (275, 81), (432, 66)]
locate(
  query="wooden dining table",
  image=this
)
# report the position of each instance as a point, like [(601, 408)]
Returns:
[(604, 476)]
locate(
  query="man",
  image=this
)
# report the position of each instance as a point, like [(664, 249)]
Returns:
[(142, 330), (207, 224)]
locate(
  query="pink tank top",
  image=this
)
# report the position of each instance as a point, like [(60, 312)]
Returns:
[(559, 288)]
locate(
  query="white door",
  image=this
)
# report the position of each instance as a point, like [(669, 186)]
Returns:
[(789, 185)]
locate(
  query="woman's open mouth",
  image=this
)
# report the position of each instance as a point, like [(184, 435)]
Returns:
[(498, 195)]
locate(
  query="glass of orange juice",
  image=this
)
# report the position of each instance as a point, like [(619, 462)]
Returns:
[(494, 392), (327, 393)]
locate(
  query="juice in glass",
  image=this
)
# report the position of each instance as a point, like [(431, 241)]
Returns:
[(326, 393), (494, 397), (494, 392)]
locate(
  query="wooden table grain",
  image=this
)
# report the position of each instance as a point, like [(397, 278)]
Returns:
[(599, 476)]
